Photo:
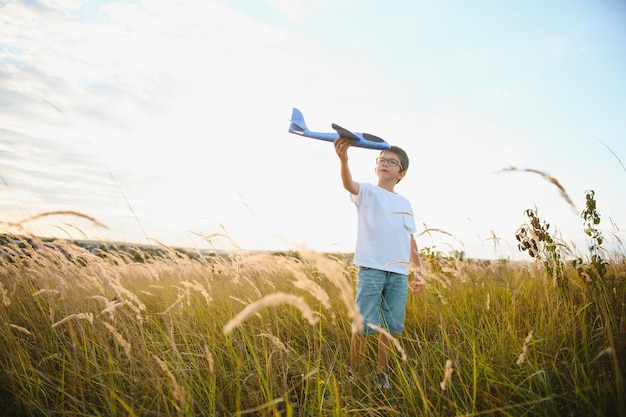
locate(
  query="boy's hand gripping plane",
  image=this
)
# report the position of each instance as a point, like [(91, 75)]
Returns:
[(361, 140)]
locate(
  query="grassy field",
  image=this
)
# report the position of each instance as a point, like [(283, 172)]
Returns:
[(111, 334)]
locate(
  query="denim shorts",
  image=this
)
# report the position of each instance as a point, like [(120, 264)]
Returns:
[(381, 299)]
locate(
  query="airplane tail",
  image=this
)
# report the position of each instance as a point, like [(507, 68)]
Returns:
[(297, 124)]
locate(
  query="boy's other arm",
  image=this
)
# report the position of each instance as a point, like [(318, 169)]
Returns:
[(341, 147), (417, 264)]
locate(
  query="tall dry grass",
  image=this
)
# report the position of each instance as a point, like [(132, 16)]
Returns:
[(109, 335)]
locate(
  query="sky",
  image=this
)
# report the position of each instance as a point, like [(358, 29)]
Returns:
[(165, 121)]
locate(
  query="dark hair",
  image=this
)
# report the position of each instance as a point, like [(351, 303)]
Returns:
[(404, 158)]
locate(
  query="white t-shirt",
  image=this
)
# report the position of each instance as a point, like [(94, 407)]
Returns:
[(385, 225)]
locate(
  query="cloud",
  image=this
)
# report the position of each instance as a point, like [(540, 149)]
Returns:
[(299, 9), (162, 95), (26, 165)]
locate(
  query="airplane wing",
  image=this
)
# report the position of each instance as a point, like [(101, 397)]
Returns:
[(361, 140)]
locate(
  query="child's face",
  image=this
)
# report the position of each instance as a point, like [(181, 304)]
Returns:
[(388, 166)]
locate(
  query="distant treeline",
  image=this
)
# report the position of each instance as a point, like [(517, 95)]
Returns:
[(12, 246), (16, 246)]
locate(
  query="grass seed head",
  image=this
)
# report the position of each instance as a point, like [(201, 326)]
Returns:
[(395, 341), (118, 338), (269, 301), (78, 316), (447, 377), (522, 356)]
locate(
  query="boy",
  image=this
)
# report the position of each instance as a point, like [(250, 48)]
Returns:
[(385, 247)]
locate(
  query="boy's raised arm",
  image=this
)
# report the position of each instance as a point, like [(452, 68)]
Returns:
[(341, 147)]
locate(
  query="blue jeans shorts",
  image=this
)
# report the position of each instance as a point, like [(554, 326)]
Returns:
[(381, 298)]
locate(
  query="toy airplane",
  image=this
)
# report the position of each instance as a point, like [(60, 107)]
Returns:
[(361, 140)]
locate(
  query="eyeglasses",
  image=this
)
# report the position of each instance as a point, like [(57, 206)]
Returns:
[(390, 162)]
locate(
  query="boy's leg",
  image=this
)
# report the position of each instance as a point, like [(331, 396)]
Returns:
[(369, 289), (384, 348), (393, 311), (357, 353)]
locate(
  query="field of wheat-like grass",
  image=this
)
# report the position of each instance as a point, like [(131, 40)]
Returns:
[(113, 333)]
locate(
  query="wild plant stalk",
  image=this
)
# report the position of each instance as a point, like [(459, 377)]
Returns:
[(540, 243), (596, 269)]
